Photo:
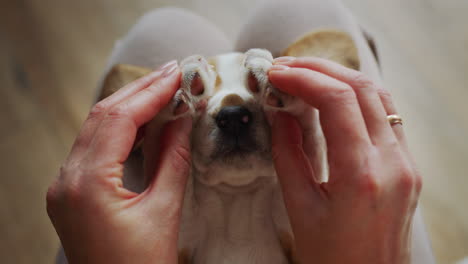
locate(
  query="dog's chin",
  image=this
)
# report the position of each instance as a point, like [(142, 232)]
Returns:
[(235, 154), (236, 167)]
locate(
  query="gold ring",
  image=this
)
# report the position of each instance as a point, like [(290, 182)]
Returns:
[(394, 120)]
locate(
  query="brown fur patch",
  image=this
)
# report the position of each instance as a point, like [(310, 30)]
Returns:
[(218, 82), (119, 76), (329, 44), (232, 100), (212, 61), (287, 243)]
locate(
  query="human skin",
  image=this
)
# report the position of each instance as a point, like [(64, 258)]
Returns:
[(96, 218), (363, 214)]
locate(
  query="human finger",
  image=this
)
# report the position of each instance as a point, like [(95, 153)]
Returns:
[(99, 110), (295, 173), (116, 133), (366, 91), (390, 109), (340, 114), (167, 186)]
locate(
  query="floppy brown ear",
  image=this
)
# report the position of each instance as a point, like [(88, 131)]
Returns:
[(329, 44), (119, 76)]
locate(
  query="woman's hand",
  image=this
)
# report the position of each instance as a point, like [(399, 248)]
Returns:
[(363, 214), (96, 218)]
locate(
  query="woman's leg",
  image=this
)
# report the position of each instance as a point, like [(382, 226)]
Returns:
[(275, 24), (166, 34)]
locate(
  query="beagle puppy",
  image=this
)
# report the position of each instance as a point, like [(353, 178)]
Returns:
[(233, 209)]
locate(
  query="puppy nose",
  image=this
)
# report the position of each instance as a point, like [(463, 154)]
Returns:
[(234, 120)]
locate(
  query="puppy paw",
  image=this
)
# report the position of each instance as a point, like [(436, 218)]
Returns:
[(197, 77), (258, 62)]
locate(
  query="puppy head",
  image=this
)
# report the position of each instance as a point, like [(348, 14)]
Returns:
[(228, 97), (231, 139)]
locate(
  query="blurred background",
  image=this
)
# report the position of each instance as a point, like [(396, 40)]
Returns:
[(53, 52)]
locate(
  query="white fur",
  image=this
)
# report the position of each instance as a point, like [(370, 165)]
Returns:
[(233, 212)]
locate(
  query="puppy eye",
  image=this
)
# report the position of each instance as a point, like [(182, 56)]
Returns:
[(252, 83), (197, 87)]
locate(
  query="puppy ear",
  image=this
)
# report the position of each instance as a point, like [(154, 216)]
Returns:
[(329, 44), (119, 76)]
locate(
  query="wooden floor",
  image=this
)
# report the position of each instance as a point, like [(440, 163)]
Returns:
[(52, 53)]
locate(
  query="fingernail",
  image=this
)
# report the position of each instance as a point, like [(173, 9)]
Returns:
[(284, 59), (279, 68), (170, 68), (165, 66)]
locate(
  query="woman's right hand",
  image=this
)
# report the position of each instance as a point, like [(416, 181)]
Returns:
[(96, 218), (364, 213)]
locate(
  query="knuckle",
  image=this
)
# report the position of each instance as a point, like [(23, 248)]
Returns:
[(151, 89), (368, 182), (369, 186), (384, 94), (361, 80), (406, 181), (117, 112), (418, 183), (98, 110), (344, 94), (61, 190), (52, 198), (69, 185)]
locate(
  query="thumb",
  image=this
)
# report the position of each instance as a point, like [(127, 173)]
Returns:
[(167, 187), (292, 165)]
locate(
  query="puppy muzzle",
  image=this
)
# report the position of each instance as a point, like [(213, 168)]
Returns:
[(235, 126)]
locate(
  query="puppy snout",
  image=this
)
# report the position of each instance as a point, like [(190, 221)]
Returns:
[(234, 120)]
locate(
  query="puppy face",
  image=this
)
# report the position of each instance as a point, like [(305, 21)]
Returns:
[(229, 97), (231, 139)]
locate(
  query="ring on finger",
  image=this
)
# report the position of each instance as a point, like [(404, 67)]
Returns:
[(395, 120)]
